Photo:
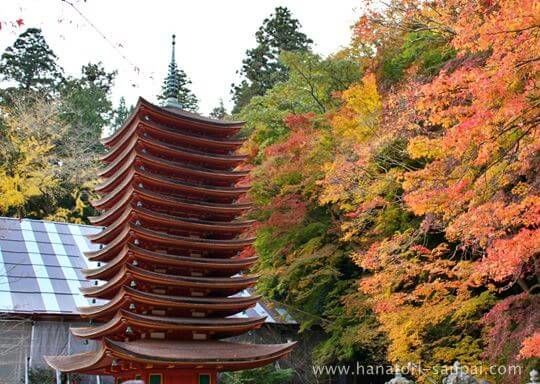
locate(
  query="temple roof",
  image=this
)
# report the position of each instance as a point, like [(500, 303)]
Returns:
[(139, 158), (223, 266), (167, 202), (178, 188), (210, 306), (131, 232), (172, 114), (225, 285), (172, 151), (220, 327), (176, 222), (207, 354), (146, 127)]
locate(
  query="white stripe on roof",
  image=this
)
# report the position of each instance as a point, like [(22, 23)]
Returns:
[(6, 302), (45, 285), (67, 268), (82, 243)]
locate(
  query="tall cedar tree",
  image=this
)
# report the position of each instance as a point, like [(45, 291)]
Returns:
[(261, 68), (120, 114), (187, 100), (31, 64), (219, 112), (85, 104)]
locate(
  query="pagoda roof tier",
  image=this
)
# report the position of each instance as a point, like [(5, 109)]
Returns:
[(149, 217), (205, 265), (184, 306), (190, 122), (173, 186), (147, 128), (173, 152), (138, 158), (177, 328), (224, 286), (169, 204), (137, 232), (220, 355)]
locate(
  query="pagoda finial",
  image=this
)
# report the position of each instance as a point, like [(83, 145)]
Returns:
[(171, 82)]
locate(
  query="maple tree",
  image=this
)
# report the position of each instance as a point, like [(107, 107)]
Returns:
[(423, 172)]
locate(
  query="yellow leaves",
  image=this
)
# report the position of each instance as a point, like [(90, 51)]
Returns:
[(10, 191), (27, 167), (359, 117), (424, 148)]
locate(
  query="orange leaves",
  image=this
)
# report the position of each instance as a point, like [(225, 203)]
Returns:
[(303, 121), (507, 257), (300, 137), (531, 347)]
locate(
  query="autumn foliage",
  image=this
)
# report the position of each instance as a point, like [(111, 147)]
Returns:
[(405, 212)]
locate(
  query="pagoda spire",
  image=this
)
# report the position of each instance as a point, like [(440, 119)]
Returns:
[(172, 86)]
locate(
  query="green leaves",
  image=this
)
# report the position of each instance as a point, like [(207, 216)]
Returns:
[(261, 69)]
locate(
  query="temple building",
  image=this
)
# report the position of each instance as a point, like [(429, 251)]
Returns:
[(170, 265)]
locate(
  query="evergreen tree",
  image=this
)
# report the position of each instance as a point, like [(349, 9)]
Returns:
[(31, 64), (219, 112), (86, 107), (261, 68), (120, 114), (186, 99)]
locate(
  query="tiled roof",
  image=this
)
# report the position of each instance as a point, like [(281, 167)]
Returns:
[(40, 269)]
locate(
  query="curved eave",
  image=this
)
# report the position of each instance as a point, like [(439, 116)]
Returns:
[(130, 214), (132, 252), (172, 151), (156, 218), (174, 185), (123, 319), (167, 202), (190, 242), (207, 305), (180, 354), (203, 124), (143, 128), (132, 231), (130, 272), (139, 157)]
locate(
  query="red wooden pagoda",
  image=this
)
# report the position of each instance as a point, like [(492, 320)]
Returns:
[(169, 259)]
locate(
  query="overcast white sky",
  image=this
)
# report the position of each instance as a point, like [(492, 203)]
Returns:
[(212, 36)]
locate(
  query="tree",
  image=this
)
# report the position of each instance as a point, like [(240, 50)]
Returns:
[(86, 107), (28, 165), (186, 98), (31, 64), (219, 112), (120, 114), (310, 87), (261, 69)]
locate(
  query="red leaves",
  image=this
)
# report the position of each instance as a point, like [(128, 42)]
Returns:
[(512, 325), (299, 121), (301, 126), (288, 210)]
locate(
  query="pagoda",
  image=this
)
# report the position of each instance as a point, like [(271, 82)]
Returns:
[(170, 268)]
